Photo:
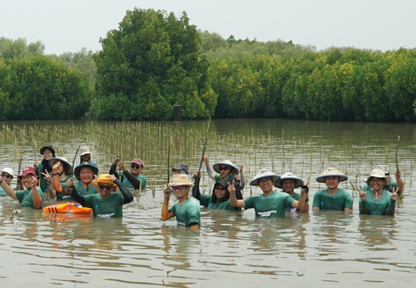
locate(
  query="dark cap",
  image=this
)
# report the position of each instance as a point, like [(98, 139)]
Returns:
[(50, 147), (181, 166)]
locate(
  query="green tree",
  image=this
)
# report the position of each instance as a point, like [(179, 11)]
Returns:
[(12, 49), (150, 63)]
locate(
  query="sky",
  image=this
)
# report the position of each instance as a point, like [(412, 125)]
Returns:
[(68, 26)]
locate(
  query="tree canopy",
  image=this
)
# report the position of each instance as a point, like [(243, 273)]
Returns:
[(150, 63)]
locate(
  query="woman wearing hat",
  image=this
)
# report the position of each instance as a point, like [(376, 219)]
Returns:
[(220, 198), (186, 209), (398, 185), (105, 204), (61, 173), (85, 173), (332, 198), (378, 201), (48, 151), (270, 204), (133, 178), (288, 183), (26, 197), (226, 171), (6, 176), (85, 154)]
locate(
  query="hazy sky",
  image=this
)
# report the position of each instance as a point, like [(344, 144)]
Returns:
[(67, 26)]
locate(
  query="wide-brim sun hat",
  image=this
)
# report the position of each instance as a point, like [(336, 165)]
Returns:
[(8, 171), (86, 164), (378, 173), (68, 170), (84, 150), (50, 147), (264, 173), (227, 163), (104, 178), (180, 180), (287, 176), (331, 171)]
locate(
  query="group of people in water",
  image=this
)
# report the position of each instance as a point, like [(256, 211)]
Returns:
[(105, 194)]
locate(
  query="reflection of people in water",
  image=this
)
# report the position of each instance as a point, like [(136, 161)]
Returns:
[(377, 231)]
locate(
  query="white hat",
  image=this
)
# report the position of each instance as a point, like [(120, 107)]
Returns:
[(8, 171), (378, 173), (53, 160), (264, 173), (331, 171), (288, 175), (84, 150), (226, 163)]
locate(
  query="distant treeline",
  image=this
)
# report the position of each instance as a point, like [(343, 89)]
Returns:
[(155, 60)]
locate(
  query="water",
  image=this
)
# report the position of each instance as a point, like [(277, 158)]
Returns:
[(230, 249)]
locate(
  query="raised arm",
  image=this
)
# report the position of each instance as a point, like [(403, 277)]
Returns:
[(37, 201), (9, 190), (400, 183), (166, 214), (196, 193), (77, 197), (233, 199), (210, 171), (126, 193)]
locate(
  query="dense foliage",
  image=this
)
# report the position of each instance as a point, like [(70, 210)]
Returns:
[(41, 88), (150, 63), (155, 60)]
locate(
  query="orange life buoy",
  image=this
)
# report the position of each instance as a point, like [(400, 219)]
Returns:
[(67, 207)]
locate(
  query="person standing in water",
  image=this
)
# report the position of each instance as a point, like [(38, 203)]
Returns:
[(43, 168), (332, 198), (132, 179), (288, 183)]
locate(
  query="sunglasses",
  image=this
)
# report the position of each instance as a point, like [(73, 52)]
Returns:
[(135, 166), (180, 188), (220, 188), (107, 187), (6, 175), (223, 168)]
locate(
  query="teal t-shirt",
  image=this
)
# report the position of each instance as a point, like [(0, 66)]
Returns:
[(380, 206), (3, 193), (60, 195), (270, 206), (340, 201), (296, 196), (140, 177), (111, 207), (206, 201), (25, 197), (90, 190), (186, 213)]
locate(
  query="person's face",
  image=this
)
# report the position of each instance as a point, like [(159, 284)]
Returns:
[(332, 181), (220, 191), (266, 184), (181, 192), (104, 188), (377, 184), (288, 185), (27, 181), (86, 175), (6, 177), (178, 171), (85, 157), (47, 154), (224, 170), (136, 168)]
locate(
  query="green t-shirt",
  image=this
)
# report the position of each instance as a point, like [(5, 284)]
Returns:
[(82, 191), (188, 212), (340, 201), (3, 193), (378, 206), (60, 196), (296, 196), (42, 182), (206, 201), (140, 177), (271, 206), (25, 197), (111, 207)]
